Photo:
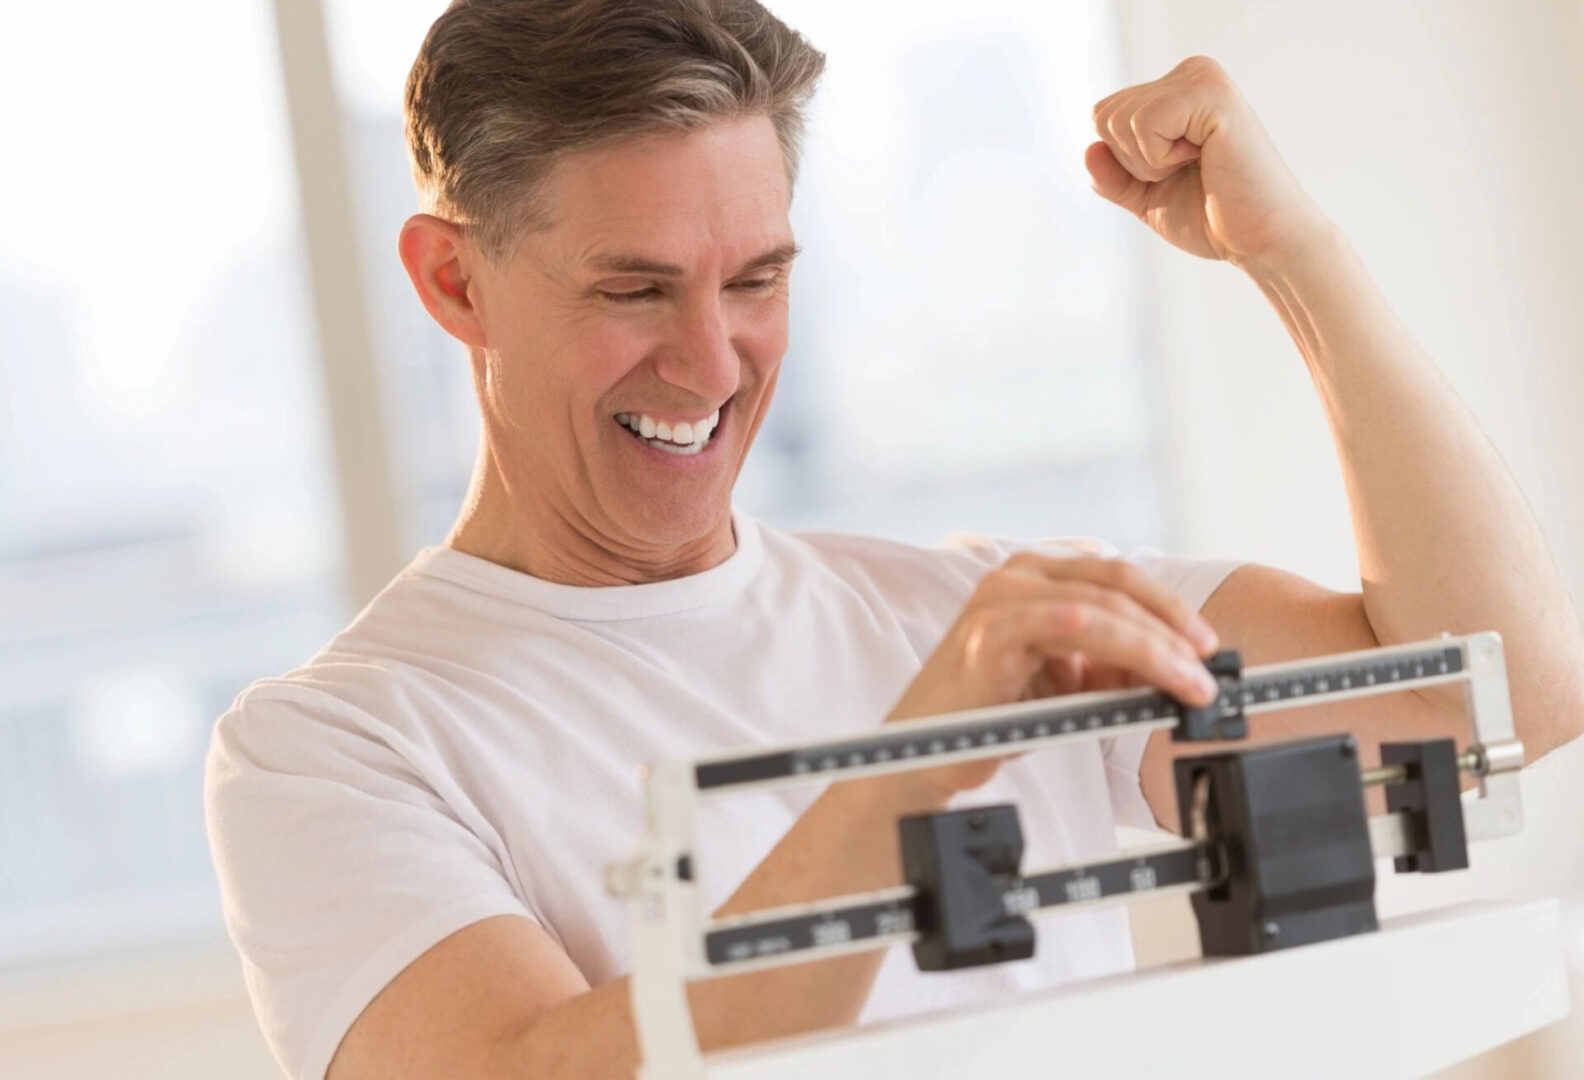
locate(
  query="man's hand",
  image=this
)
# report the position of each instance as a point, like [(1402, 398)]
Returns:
[(1189, 158), (1041, 625)]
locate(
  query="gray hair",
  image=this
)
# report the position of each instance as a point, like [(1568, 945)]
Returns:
[(501, 88)]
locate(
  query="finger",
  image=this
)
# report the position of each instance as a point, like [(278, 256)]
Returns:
[(1161, 124), (1042, 686), (1025, 580), (1110, 678), (1113, 182), (1123, 576), (1074, 669), (1062, 675), (1123, 607), (1060, 628), (1161, 150), (1117, 132)]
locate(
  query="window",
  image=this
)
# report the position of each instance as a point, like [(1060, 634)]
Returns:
[(167, 524)]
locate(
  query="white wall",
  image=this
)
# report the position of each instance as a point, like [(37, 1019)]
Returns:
[(1446, 139)]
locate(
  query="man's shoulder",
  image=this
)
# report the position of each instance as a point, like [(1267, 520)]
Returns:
[(956, 558), (392, 667)]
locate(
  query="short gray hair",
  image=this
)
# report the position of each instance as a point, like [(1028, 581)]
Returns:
[(501, 88)]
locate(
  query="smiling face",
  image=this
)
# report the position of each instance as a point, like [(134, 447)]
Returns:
[(655, 297)]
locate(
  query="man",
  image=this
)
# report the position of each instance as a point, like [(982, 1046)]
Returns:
[(410, 830)]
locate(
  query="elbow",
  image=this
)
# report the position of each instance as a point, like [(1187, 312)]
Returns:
[(1552, 713)]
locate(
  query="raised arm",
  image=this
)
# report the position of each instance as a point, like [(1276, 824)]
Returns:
[(1445, 539)]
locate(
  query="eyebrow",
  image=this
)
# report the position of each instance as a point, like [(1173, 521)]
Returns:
[(638, 264)]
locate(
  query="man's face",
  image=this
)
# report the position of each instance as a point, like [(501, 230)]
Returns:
[(656, 295)]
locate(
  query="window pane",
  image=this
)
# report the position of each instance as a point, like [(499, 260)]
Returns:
[(167, 531), (432, 416), (963, 344)]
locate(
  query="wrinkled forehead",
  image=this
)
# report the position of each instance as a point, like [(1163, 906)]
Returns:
[(718, 194)]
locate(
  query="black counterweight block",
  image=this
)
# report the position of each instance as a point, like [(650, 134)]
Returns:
[(1223, 718), (1431, 792), (961, 862), (1289, 818)]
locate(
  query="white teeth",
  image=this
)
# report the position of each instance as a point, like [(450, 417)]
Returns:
[(687, 437), (684, 451)]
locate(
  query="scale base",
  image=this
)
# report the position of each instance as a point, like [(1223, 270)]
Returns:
[(1423, 993)]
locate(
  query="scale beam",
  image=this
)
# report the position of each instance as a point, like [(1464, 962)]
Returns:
[(978, 733)]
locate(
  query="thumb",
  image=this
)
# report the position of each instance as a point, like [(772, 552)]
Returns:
[(1111, 179)]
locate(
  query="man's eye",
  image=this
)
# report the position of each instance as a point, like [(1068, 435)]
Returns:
[(757, 284), (630, 297)]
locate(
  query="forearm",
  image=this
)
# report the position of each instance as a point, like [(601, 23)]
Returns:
[(1446, 541), (845, 842)]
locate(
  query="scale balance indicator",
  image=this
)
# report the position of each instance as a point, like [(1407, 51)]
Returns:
[(967, 900)]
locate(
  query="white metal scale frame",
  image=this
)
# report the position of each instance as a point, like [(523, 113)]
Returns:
[(674, 942)]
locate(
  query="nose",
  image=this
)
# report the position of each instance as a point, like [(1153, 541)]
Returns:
[(701, 358)]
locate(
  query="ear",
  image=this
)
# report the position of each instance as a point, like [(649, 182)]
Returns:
[(441, 263)]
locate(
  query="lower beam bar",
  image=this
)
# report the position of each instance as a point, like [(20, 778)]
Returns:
[(877, 920), (1186, 864)]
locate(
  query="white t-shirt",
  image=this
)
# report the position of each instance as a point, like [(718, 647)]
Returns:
[(470, 746)]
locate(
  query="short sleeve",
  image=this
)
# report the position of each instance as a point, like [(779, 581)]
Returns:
[(338, 867), (1194, 579)]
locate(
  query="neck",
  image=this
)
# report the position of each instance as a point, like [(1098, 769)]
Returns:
[(544, 538)]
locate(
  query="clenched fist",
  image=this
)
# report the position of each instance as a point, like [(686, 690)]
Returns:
[(1187, 155), (1043, 625)]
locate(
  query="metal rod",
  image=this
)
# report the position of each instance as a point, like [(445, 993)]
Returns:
[(1385, 774), (1471, 761)]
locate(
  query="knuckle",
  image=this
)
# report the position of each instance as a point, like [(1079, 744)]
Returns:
[(973, 635), (975, 624), (1086, 592), (1085, 566), (996, 585), (1114, 602), (989, 587), (1073, 617), (1117, 573), (1137, 124), (1201, 67), (1022, 560)]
